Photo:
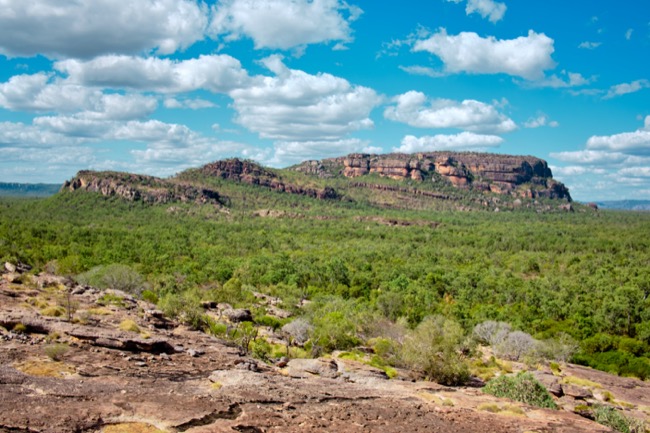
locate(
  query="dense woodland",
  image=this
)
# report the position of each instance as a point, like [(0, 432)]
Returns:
[(566, 279)]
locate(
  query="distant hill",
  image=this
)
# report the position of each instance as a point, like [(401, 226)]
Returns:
[(28, 189), (437, 180), (625, 204)]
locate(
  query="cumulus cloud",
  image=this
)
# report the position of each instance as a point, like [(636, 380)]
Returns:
[(526, 56), (635, 172), (539, 121), (39, 93), (625, 88), (421, 70), (636, 143), (284, 24), (292, 152), (587, 45), (628, 34), (494, 11), (216, 73), (590, 157), (461, 141), (294, 105), (88, 28), (415, 109), (564, 80), (192, 104)]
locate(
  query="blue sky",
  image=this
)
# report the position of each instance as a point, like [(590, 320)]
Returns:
[(157, 86)]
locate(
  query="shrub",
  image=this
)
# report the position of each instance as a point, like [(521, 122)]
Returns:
[(298, 331), (432, 349), (491, 333), (522, 387), (53, 311), (56, 351), (19, 328), (129, 325), (115, 276), (610, 417)]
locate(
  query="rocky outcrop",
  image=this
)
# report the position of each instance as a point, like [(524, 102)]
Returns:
[(521, 176), (138, 187), (254, 174)]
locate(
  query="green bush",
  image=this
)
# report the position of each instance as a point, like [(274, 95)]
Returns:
[(522, 387), (610, 417), (115, 276), (432, 349), (56, 351)]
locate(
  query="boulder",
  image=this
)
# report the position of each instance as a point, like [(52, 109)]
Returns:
[(577, 392), (303, 368), (238, 315)]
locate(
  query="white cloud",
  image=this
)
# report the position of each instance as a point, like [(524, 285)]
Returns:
[(414, 109), (192, 104), (39, 93), (461, 141), (294, 105), (489, 9), (646, 124), (564, 80), (284, 24), (539, 121), (217, 73), (587, 45), (88, 28), (590, 157), (637, 142), (635, 172), (625, 88), (628, 34), (527, 56), (421, 70), (292, 152)]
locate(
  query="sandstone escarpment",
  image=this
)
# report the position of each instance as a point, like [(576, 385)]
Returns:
[(522, 176), (137, 187), (254, 174)]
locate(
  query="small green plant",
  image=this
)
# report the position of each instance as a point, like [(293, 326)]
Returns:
[(610, 417), (522, 387), (129, 325), (19, 328), (56, 351), (111, 299), (53, 311), (149, 296), (555, 368)]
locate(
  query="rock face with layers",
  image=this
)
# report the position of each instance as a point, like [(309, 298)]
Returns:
[(523, 176), (138, 187), (254, 174)]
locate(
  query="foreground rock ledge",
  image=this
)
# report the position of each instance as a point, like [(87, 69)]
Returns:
[(109, 378)]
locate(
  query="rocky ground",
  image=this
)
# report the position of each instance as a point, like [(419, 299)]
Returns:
[(96, 374)]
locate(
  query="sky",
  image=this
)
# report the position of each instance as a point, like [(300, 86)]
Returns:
[(158, 86)]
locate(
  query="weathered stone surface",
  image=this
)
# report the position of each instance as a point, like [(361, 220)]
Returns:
[(238, 315), (136, 187), (301, 368), (551, 383), (523, 176), (577, 392)]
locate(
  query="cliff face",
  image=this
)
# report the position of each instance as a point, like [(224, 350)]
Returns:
[(523, 176), (136, 187), (254, 174)]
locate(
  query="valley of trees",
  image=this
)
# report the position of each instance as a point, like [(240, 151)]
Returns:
[(532, 285)]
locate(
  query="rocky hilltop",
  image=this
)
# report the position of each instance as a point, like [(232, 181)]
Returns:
[(138, 187), (522, 176), (254, 174)]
